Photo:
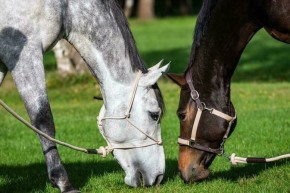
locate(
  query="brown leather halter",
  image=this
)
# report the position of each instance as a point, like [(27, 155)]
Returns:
[(201, 106)]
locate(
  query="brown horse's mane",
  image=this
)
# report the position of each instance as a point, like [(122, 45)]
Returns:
[(200, 28)]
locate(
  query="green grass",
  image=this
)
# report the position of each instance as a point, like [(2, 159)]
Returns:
[(260, 93)]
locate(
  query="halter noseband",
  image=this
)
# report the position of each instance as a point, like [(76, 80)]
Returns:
[(135, 144), (201, 106)]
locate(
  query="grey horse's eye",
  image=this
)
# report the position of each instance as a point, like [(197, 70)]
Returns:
[(154, 115)]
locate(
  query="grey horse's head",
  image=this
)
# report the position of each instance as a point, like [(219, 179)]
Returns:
[(131, 126)]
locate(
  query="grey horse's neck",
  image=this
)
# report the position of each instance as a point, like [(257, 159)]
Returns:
[(92, 27)]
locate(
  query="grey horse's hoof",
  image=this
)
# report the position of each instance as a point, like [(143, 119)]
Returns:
[(72, 191), (59, 179)]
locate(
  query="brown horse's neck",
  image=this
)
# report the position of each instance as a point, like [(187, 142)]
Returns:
[(221, 35)]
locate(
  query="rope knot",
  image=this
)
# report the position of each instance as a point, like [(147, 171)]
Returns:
[(233, 160), (127, 115), (105, 151)]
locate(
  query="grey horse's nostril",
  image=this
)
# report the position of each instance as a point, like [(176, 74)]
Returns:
[(140, 178), (158, 179)]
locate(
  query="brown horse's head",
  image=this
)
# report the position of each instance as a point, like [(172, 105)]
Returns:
[(193, 162)]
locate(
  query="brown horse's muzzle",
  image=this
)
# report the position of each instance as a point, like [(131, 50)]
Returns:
[(193, 164), (191, 175)]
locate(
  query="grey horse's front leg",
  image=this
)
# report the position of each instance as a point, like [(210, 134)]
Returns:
[(28, 74)]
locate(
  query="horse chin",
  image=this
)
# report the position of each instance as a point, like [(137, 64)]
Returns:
[(200, 174), (193, 170), (145, 168), (139, 179)]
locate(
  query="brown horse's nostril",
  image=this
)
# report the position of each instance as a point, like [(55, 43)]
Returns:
[(200, 174), (185, 176)]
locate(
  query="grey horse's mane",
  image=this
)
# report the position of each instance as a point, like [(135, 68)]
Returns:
[(136, 61)]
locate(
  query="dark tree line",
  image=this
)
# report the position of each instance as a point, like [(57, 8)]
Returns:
[(150, 8)]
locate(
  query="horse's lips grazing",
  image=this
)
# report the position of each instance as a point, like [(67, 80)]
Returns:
[(139, 179), (193, 174), (144, 171)]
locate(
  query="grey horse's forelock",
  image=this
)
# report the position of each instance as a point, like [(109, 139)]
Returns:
[(159, 98)]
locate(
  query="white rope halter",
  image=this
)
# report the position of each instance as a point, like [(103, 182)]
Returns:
[(130, 145)]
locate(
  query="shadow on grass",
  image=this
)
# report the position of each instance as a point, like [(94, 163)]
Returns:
[(264, 62), (171, 170), (33, 177), (179, 58), (246, 171)]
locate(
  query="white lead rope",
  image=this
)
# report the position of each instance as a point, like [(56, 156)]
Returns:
[(103, 151), (235, 159)]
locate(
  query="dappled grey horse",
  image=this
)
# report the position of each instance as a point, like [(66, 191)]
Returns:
[(99, 31)]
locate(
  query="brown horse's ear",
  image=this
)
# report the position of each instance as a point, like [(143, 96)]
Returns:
[(177, 79)]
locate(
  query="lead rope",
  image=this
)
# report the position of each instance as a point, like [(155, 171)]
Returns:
[(245, 160), (103, 151)]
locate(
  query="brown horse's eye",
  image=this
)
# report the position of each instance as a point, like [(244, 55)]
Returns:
[(181, 115)]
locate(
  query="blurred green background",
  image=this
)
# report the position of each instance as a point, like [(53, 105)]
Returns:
[(264, 59), (260, 93)]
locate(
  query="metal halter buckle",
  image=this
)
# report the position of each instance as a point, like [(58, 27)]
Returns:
[(194, 95), (206, 108), (191, 143)]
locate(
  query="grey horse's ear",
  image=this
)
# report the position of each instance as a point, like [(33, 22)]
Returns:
[(151, 77), (156, 66)]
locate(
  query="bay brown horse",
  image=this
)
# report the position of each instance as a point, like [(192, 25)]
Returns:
[(223, 29)]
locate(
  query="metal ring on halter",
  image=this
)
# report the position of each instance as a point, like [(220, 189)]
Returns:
[(206, 108), (194, 95)]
